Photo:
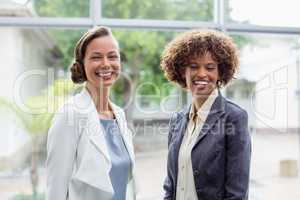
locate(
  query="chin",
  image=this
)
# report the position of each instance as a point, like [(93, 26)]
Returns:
[(200, 95), (105, 83), (203, 93)]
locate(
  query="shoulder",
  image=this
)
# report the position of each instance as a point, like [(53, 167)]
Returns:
[(68, 110), (180, 114), (77, 104), (68, 106), (64, 115), (177, 116), (234, 111)]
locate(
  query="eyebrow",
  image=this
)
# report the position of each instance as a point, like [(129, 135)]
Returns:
[(98, 53), (211, 63), (195, 62)]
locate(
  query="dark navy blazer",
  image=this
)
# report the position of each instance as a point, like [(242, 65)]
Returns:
[(220, 157)]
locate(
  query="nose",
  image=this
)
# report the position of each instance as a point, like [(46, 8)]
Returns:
[(105, 62), (201, 72)]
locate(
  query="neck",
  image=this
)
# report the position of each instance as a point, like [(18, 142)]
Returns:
[(199, 101), (100, 97)]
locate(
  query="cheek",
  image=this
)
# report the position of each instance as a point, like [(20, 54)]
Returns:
[(88, 65), (117, 67), (188, 75), (217, 76), (92, 65), (115, 64), (87, 69), (188, 78)]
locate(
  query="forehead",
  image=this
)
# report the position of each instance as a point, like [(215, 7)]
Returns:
[(103, 44), (205, 57)]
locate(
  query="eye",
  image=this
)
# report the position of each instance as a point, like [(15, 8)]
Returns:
[(192, 66), (113, 57), (211, 66), (96, 57)]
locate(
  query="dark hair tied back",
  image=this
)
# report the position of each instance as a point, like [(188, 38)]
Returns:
[(78, 73)]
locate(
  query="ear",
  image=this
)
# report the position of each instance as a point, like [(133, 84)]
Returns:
[(123, 57), (219, 83), (181, 76)]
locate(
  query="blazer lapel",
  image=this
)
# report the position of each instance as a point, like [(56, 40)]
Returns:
[(178, 133), (95, 161), (93, 128), (183, 122), (96, 135), (217, 110)]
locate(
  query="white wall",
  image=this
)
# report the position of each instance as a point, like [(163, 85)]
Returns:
[(11, 59), (272, 64), (20, 51)]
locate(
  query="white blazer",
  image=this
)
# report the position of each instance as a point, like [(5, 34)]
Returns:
[(78, 162)]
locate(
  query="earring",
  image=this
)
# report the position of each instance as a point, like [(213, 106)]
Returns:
[(219, 83)]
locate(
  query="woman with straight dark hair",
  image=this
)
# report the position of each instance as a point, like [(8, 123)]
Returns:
[(89, 149)]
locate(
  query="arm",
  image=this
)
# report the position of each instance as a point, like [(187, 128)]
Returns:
[(238, 152), (61, 149), (168, 183)]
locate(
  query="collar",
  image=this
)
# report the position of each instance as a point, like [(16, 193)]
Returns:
[(206, 106)]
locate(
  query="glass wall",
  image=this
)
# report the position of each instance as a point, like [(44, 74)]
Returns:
[(266, 87), (161, 9), (44, 8), (36, 81), (32, 71), (264, 13)]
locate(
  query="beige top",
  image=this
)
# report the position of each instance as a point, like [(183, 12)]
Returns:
[(185, 182)]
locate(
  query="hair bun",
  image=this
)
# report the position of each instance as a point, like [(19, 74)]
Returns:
[(77, 73)]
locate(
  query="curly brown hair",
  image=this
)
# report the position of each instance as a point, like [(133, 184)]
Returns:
[(196, 43), (78, 74)]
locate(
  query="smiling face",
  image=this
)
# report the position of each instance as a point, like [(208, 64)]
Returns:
[(102, 62), (201, 75)]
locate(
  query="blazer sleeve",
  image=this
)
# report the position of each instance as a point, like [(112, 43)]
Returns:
[(168, 183), (238, 153), (61, 150)]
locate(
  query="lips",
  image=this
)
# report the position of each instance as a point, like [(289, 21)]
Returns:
[(104, 74), (200, 82), (200, 85)]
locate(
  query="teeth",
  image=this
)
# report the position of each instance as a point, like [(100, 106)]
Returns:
[(104, 74), (201, 82)]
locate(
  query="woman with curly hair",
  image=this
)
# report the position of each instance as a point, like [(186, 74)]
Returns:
[(209, 144), (89, 148)]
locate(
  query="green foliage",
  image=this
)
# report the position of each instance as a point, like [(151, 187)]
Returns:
[(39, 196), (62, 8), (36, 117), (241, 41), (159, 9), (141, 50), (65, 41)]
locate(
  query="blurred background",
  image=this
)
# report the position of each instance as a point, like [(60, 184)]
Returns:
[(37, 39)]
